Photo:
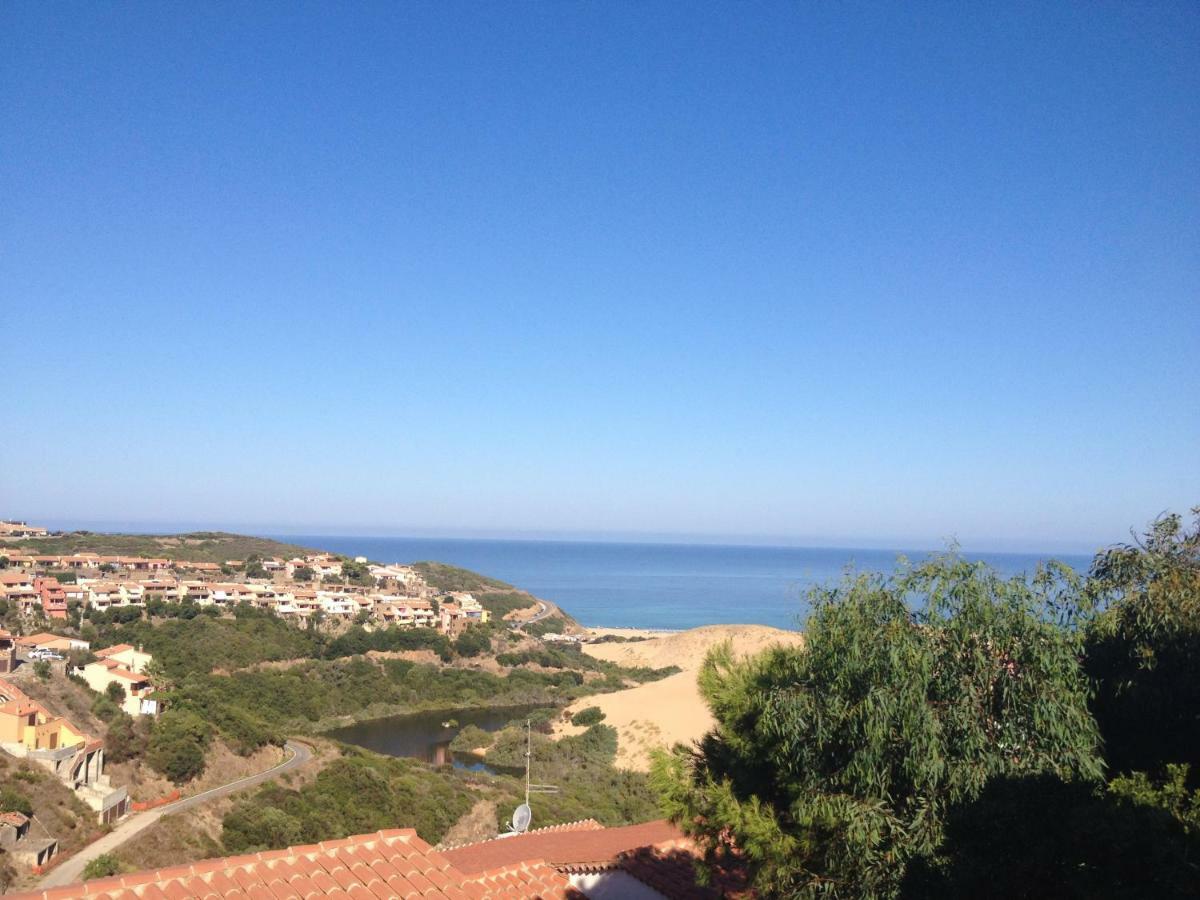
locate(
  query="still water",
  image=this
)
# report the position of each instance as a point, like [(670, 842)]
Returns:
[(427, 735)]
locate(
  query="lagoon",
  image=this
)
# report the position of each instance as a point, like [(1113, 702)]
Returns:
[(426, 735)]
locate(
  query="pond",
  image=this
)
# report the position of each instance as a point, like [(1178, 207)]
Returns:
[(427, 735)]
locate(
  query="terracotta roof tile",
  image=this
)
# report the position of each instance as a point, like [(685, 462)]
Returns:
[(587, 848), (387, 864)]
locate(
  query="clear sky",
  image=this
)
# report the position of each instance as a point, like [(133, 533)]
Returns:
[(857, 273)]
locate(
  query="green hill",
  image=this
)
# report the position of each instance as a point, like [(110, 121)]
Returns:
[(196, 546)]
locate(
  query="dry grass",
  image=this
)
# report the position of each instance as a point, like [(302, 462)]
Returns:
[(57, 812), (478, 824)]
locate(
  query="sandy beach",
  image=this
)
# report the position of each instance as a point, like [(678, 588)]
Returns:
[(665, 712)]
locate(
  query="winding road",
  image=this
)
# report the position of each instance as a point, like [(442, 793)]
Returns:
[(72, 870)]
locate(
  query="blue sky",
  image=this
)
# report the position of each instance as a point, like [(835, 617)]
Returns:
[(855, 273)]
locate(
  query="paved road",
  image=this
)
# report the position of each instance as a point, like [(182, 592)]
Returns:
[(72, 870)]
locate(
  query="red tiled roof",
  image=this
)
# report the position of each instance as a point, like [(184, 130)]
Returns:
[(116, 648), (385, 864), (578, 825), (582, 849), (41, 637)]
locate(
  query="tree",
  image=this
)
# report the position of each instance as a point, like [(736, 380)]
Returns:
[(41, 668), (126, 738), (177, 745), (473, 641), (303, 573), (832, 768), (1143, 650), (115, 691)]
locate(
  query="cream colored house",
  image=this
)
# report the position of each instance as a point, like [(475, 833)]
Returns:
[(126, 666), (127, 656)]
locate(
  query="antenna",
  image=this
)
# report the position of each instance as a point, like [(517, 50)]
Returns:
[(522, 816)]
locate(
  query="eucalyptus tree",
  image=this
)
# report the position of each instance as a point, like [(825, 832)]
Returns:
[(1143, 650), (832, 767)]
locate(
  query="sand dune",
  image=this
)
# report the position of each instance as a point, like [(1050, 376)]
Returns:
[(665, 712)]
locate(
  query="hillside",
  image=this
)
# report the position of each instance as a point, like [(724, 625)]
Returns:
[(444, 577), (197, 546), (57, 812)]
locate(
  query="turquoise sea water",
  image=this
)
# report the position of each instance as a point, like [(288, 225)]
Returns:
[(656, 585)]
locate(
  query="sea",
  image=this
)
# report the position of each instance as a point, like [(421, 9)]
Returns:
[(658, 586)]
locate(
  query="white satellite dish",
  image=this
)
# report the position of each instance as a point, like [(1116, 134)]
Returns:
[(521, 818)]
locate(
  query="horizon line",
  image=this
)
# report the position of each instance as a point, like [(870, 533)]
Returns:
[(584, 536)]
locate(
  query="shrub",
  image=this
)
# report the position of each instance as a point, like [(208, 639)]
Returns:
[(126, 739), (103, 866), (104, 709), (41, 668), (249, 827), (592, 715), (12, 800), (471, 738)]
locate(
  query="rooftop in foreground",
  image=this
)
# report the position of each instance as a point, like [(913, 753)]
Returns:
[(384, 864), (649, 860)]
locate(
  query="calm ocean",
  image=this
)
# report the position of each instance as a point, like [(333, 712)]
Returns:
[(656, 585)]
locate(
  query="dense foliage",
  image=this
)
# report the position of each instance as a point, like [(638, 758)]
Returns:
[(591, 715), (501, 603), (589, 786), (203, 642), (947, 733), (359, 793), (832, 767), (358, 640), (442, 577), (1143, 651), (1040, 836), (13, 800), (177, 745)]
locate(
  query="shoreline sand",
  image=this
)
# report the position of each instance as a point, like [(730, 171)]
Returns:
[(669, 711)]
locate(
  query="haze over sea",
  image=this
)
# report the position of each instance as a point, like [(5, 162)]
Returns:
[(671, 586)]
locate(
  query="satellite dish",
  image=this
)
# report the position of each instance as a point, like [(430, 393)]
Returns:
[(521, 818)]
